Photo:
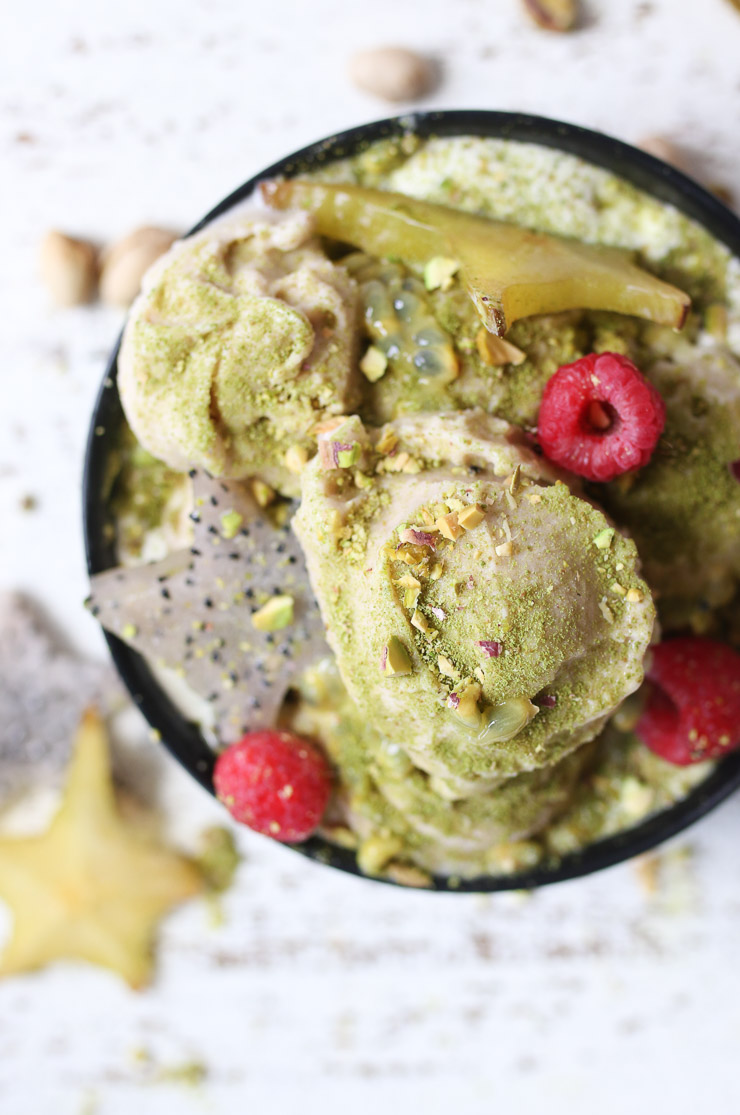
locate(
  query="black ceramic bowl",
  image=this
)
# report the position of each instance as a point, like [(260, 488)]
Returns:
[(182, 738)]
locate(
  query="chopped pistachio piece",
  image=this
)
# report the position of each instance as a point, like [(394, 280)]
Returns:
[(446, 667), (296, 457), (504, 721), (263, 493), (387, 441), (376, 851), (471, 517), (715, 320), (348, 457), (374, 364), (440, 272), (467, 704), (448, 526), (231, 521), (396, 659), (129, 631), (496, 351), (603, 539), (275, 614), (620, 590), (420, 621)]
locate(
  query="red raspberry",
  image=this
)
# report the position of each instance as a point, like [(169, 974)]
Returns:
[(600, 417), (693, 710), (276, 783)]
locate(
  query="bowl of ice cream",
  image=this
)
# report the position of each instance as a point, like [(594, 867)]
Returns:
[(334, 515)]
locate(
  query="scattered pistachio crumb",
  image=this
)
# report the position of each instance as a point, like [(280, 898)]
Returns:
[(420, 621), (348, 457), (603, 540), (496, 351), (296, 457), (231, 521), (396, 659), (129, 631), (263, 493), (448, 526), (374, 364), (440, 272), (606, 611), (471, 517), (275, 614), (446, 667), (407, 875)]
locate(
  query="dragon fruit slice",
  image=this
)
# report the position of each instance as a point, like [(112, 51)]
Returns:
[(193, 610)]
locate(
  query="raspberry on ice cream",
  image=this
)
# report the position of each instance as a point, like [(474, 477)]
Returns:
[(693, 711), (274, 782), (600, 417)]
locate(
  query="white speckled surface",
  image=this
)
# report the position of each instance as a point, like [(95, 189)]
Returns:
[(323, 993)]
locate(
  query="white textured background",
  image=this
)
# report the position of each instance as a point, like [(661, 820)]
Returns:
[(324, 993)]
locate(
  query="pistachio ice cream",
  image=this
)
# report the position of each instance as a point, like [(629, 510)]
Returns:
[(243, 339), (478, 608), (490, 617)]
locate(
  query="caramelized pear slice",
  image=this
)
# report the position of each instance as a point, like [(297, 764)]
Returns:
[(509, 272)]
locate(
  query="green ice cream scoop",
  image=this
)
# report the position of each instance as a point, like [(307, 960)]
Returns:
[(241, 342), (480, 611)]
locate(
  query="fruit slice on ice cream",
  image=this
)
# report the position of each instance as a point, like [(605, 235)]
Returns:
[(218, 612), (510, 272), (456, 559)]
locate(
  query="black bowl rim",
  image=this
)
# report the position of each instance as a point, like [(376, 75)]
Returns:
[(181, 737)]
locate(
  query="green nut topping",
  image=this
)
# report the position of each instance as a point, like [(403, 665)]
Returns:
[(348, 457), (374, 364), (503, 722), (439, 273), (603, 539), (231, 521), (275, 614), (396, 658)]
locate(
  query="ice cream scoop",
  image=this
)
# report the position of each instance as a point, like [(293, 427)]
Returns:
[(480, 611), (683, 509), (242, 340)]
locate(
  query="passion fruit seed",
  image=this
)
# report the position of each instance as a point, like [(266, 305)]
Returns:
[(401, 324)]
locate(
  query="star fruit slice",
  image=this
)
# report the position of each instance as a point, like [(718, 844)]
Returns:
[(233, 614), (509, 272), (92, 887)]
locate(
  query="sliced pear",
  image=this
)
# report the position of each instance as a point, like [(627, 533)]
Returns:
[(510, 272)]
